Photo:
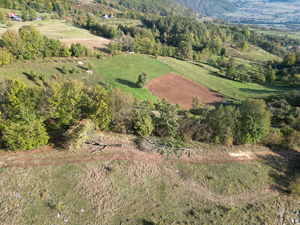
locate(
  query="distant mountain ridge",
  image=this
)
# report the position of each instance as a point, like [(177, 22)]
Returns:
[(208, 7)]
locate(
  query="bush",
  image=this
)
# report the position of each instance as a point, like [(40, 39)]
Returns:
[(73, 71), (290, 136), (273, 138), (64, 69), (33, 74), (78, 135), (43, 77), (294, 188)]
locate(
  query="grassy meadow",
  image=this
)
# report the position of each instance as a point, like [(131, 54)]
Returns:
[(116, 21), (210, 77), (56, 29), (123, 71), (137, 192)]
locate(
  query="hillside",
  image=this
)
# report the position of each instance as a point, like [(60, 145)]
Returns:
[(209, 7), (161, 7), (128, 186)]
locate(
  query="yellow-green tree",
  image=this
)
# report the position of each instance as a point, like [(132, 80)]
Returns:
[(255, 120)]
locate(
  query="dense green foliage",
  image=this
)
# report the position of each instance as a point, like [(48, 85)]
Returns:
[(30, 44), (209, 7), (38, 6), (164, 8), (28, 112), (63, 105)]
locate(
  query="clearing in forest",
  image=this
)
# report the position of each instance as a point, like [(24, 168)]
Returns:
[(180, 90)]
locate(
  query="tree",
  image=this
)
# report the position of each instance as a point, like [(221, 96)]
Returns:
[(97, 106), (74, 50), (25, 16), (142, 79), (2, 17), (9, 4), (13, 42), (223, 51), (244, 46), (289, 60), (112, 32), (27, 133), (143, 123), (33, 74), (224, 122), (255, 120), (122, 110), (270, 76), (32, 14), (64, 51), (231, 68), (33, 42), (168, 119)]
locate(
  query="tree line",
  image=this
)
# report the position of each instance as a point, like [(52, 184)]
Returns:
[(28, 43), (29, 115)]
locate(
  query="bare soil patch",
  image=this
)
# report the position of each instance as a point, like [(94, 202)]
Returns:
[(180, 90), (98, 42)]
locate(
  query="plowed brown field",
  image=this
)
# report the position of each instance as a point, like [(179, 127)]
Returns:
[(180, 90)]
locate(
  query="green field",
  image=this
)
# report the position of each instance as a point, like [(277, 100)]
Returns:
[(52, 29), (209, 77), (123, 71), (116, 21)]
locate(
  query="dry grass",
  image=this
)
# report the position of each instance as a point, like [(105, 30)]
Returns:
[(97, 42), (136, 192)]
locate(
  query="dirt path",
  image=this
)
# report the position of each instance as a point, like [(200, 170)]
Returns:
[(133, 154)]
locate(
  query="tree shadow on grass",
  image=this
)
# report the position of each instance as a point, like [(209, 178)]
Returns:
[(29, 77), (83, 68), (145, 222), (59, 70), (127, 83), (284, 166)]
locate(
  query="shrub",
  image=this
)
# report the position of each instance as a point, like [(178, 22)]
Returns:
[(33, 74), (78, 135), (64, 69), (43, 77), (73, 71), (294, 188), (290, 136), (273, 138)]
